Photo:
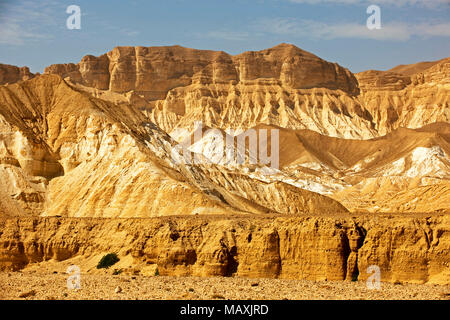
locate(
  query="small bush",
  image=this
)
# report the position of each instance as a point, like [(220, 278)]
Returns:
[(107, 260), (117, 272)]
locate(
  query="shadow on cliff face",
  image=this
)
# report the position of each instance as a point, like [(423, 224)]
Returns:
[(355, 240), (232, 265)]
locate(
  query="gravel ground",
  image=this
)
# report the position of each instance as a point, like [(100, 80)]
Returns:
[(50, 286)]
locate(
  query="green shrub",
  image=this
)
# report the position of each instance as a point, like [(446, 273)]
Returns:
[(117, 272), (107, 260)]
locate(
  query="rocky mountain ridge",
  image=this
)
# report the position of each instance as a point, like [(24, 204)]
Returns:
[(64, 151), (283, 86), (92, 160)]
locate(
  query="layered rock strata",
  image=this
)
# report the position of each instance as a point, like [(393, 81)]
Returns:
[(283, 86), (405, 248), (11, 74), (66, 153)]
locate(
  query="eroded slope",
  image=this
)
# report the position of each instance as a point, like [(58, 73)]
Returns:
[(67, 153)]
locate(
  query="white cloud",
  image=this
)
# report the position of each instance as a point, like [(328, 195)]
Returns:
[(438, 30), (13, 34), (315, 29), (25, 21)]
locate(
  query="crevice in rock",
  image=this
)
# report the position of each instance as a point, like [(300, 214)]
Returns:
[(232, 264), (174, 236), (346, 252), (279, 255), (355, 240), (191, 257)]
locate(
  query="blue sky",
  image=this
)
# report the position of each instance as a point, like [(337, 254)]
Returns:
[(34, 33)]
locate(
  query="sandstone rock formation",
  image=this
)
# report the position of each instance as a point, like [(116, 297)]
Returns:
[(101, 143), (153, 71), (411, 69), (66, 153), (361, 174), (176, 86), (407, 249), (402, 100), (12, 74), (283, 86), (60, 134)]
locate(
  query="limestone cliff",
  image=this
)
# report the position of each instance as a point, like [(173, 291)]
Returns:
[(403, 100), (113, 115), (55, 137), (283, 86), (406, 249), (176, 86), (89, 165), (153, 71), (12, 74)]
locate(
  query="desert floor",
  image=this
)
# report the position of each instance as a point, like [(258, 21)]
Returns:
[(50, 286)]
